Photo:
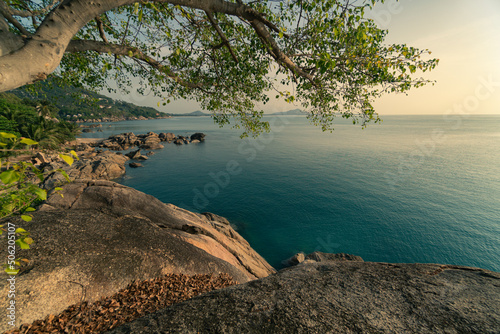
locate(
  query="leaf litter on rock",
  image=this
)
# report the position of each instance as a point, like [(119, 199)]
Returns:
[(136, 300)]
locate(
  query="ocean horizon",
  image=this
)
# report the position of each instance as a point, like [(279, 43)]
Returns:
[(412, 189)]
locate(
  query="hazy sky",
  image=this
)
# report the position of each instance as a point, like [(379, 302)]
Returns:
[(463, 34)]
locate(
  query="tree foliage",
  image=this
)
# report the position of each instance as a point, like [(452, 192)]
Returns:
[(72, 103), (20, 191), (230, 56), (31, 119)]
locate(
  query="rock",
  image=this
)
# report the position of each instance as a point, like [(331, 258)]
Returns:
[(134, 154), (42, 158), (179, 142), (106, 165), (341, 297), (101, 236), (83, 147), (294, 260), (215, 218), (111, 145), (149, 141), (151, 146), (170, 137), (150, 153), (198, 136), (87, 130), (135, 165), (325, 257), (142, 157), (194, 141), (162, 136)]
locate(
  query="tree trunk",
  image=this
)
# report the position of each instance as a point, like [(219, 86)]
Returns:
[(42, 52)]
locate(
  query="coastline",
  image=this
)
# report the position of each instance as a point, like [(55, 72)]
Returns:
[(104, 201)]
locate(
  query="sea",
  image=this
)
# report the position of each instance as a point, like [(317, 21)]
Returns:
[(422, 189)]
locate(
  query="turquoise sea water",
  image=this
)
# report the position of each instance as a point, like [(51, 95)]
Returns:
[(412, 189)]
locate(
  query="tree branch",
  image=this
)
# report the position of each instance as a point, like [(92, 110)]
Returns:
[(5, 11), (275, 51), (28, 13), (42, 53), (225, 41), (101, 29), (128, 51)]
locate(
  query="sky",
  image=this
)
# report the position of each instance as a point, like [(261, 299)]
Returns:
[(463, 34)]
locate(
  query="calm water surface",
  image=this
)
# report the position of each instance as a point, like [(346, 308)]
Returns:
[(412, 189)]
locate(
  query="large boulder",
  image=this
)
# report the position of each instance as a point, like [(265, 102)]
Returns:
[(168, 137), (198, 136), (151, 146), (341, 297), (134, 154), (135, 165), (101, 236), (106, 165), (151, 142)]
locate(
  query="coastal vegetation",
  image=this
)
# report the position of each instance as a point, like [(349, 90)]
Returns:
[(77, 103), (34, 120), (229, 56), (95, 237)]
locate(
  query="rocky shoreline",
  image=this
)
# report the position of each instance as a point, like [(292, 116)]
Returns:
[(96, 161), (119, 119), (148, 141), (99, 236)]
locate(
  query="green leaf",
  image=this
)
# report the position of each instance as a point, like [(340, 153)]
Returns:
[(22, 244), (41, 193), (10, 176), (7, 135), (28, 141), (73, 153), (26, 218), (69, 160), (58, 189), (28, 240), (21, 230), (63, 173), (11, 271), (30, 209)]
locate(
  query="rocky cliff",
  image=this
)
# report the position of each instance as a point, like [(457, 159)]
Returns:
[(341, 297), (101, 236)]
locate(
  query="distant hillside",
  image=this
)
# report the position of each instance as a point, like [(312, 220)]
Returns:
[(194, 113), (290, 112), (79, 104)]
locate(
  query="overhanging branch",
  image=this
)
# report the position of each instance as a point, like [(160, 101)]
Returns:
[(128, 51), (225, 41), (5, 11)]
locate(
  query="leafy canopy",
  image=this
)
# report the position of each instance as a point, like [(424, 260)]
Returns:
[(325, 55)]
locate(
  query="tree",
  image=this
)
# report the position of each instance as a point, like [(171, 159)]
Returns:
[(226, 54)]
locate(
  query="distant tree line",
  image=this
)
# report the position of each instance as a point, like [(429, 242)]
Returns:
[(77, 103)]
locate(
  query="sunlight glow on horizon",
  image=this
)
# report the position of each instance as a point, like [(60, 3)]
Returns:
[(464, 35)]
